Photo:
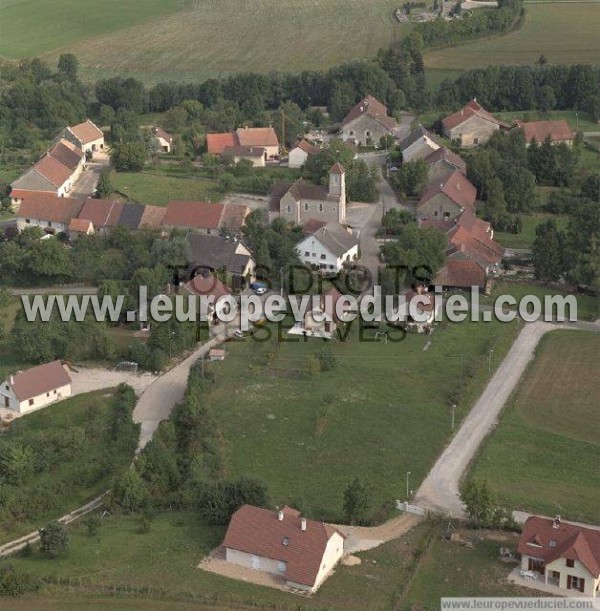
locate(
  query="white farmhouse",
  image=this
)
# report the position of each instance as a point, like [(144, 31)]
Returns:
[(329, 247), (301, 552), (300, 152), (418, 145), (35, 388), (87, 136)]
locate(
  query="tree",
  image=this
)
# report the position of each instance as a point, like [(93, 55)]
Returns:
[(411, 179), (104, 188), (129, 492), (129, 156), (357, 502), (54, 539), (478, 501), (68, 65), (547, 251), (591, 187)]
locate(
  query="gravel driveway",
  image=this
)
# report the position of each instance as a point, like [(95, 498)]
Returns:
[(88, 380)]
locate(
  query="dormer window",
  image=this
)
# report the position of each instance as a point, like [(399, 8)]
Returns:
[(286, 541), (552, 543)]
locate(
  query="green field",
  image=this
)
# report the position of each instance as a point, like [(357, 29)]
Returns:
[(527, 236), (161, 40), (382, 411), (167, 558), (8, 362), (543, 456), (158, 189), (68, 445), (566, 33)]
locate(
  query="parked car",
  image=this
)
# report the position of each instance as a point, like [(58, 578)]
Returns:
[(260, 288)]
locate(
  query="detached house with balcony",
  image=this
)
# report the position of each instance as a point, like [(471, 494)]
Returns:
[(562, 555)]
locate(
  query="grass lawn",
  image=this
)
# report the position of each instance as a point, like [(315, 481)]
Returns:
[(69, 441), (8, 362), (527, 236), (158, 189), (566, 33), (193, 40), (168, 555), (451, 569), (382, 411), (543, 456), (588, 307)]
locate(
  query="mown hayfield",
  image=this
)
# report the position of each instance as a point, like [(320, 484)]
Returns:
[(566, 33), (159, 40), (545, 453)]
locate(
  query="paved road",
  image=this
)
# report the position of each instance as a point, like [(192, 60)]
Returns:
[(86, 184), (439, 491)]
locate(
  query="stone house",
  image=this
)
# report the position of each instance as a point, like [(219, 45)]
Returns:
[(447, 199), (163, 139), (87, 136), (471, 126), (367, 122), (558, 132), (443, 162)]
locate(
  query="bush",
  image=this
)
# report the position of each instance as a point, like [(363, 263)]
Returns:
[(54, 539), (16, 584)]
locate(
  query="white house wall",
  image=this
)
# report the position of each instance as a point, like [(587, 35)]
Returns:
[(319, 255), (297, 158), (38, 402)]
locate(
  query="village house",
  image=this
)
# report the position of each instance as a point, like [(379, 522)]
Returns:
[(300, 152), (213, 253), (323, 315), (473, 257), (418, 145), (70, 156), (205, 217), (447, 199), (87, 136), (35, 388), (557, 131), (471, 126), (303, 201), (327, 246), (255, 155), (163, 139), (301, 553), (248, 137), (560, 554), (423, 304), (79, 227), (51, 213), (367, 122), (212, 293), (443, 162), (104, 214), (48, 175)]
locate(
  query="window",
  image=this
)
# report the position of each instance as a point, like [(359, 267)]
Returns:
[(30, 401), (320, 207), (286, 541), (49, 223), (47, 394), (552, 543), (368, 134), (55, 391), (570, 563), (288, 208), (306, 253), (475, 140), (27, 221), (446, 215), (435, 213), (306, 206), (323, 256), (208, 232), (352, 132), (575, 583)]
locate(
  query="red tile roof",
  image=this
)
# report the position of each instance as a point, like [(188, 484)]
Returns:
[(49, 207), (541, 539), (200, 215), (53, 170), (313, 225), (68, 154), (473, 108), (159, 132), (207, 285), (101, 212), (80, 225), (373, 108), (152, 216), (39, 380), (259, 531), (456, 187), (234, 217), (216, 143), (460, 272), (244, 151), (446, 154), (337, 168), (257, 136), (87, 132), (559, 131), (307, 147)]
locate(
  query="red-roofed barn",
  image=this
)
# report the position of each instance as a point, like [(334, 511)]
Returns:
[(301, 552)]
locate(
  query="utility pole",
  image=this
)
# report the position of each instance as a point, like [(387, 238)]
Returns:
[(281, 281), (490, 355), (453, 410), (408, 473)]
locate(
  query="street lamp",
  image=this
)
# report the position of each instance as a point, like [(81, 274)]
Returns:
[(453, 409), (408, 473)]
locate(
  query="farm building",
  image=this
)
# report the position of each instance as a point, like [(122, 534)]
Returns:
[(87, 136), (249, 137), (329, 247), (471, 125), (418, 145), (35, 388), (447, 199), (367, 122), (303, 201), (443, 162), (255, 155), (51, 213), (560, 554), (104, 214), (300, 552), (205, 217), (163, 139), (558, 132), (300, 152)]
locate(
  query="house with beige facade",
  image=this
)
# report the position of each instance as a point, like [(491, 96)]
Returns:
[(35, 388), (558, 132), (302, 201), (256, 155), (560, 554), (471, 126), (447, 199), (300, 152), (367, 122), (247, 137), (87, 136), (298, 552), (443, 162)]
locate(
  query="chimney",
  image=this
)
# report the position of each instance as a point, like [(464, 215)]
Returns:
[(12, 380), (280, 515), (556, 523), (303, 524)]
